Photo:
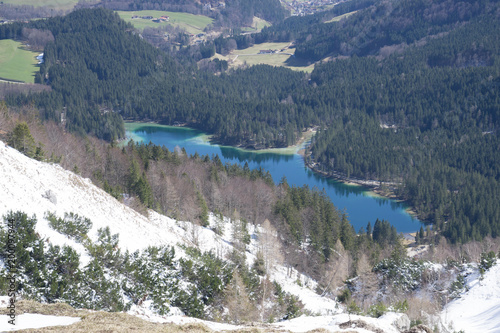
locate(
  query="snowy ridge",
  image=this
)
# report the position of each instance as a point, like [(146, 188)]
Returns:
[(478, 309), (36, 188)]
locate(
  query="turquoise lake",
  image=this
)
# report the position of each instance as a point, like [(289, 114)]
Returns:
[(358, 202)]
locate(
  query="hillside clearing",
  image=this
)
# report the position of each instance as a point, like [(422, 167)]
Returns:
[(340, 17), (193, 24), (253, 56), (17, 63), (56, 4), (257, 25)]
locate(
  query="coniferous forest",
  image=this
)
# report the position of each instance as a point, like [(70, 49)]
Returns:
[(407, 94)]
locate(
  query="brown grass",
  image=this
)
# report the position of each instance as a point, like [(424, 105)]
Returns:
[(109, 322), (121, 322), (56, 309)]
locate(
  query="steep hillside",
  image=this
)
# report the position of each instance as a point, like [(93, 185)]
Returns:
[(37, 188), (478, 309)]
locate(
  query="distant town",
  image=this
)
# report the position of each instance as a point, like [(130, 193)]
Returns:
[(302, 7)]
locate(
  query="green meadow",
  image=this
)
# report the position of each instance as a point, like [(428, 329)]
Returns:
[(56, 4), (193, 24), (340, 17), (250, 56), (257, 25), (16, 63)]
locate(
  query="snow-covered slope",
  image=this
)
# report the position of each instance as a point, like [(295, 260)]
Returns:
[(36, 188), (478, 309), (24, 184)]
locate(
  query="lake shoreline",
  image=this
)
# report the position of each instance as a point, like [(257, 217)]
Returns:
[(369, 188), (290, 150), (380, 189)]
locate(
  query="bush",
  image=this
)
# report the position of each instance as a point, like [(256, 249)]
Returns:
[(377, 310), (353, 308), (401, 306), (71, 225), (344, 296), (403, 273), (457, 287), (487, 260)]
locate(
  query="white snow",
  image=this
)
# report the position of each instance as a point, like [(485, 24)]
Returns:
[(29, 320), (32, 320), (25, 181), (478, 309), (332, 323)]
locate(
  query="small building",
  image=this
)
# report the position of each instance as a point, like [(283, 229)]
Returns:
[(40, 58), (266, 51)]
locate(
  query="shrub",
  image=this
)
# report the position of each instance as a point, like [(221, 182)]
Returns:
[(377, 310), (457, 287), (401, 306), (344, 296), (72, 225)]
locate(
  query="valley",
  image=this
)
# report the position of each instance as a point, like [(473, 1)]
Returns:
[(223, 213), (283, 163)]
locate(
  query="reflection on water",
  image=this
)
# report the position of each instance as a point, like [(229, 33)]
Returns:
[(356, 201), (243, 156)]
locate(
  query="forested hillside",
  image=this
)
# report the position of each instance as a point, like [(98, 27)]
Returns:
[(314, 235), (424, 112), (99, 68), (235, 13), (410, 96)]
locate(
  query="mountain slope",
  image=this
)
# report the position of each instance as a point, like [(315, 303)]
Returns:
[(25, 186), (478, 310)]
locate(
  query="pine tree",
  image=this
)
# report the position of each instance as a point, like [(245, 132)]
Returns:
[(21, 139)]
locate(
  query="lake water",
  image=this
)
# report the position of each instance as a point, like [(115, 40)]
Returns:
[(359, 203)]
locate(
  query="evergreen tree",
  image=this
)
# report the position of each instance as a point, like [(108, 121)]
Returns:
[(21, 139)]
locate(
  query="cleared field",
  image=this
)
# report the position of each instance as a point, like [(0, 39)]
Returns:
[(251, 56), (17, 63), (257, 25), (264, 46), (193, 24), (56, 4), (340, 17)]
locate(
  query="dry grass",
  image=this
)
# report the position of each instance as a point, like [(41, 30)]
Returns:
[(121, 322), (419, 306), (98, 321), (56, 309)]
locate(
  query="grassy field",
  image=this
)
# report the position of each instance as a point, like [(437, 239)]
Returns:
[(251, 57), (193, 24), (17, 63), (56, 4), (257, 25), (340, 17)]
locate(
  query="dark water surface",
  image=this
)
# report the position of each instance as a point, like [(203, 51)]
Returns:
[(358, 202)]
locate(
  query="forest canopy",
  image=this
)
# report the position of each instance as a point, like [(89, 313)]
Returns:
[(410, 96)]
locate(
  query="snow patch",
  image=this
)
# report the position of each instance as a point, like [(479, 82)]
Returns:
[(478, 309)]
